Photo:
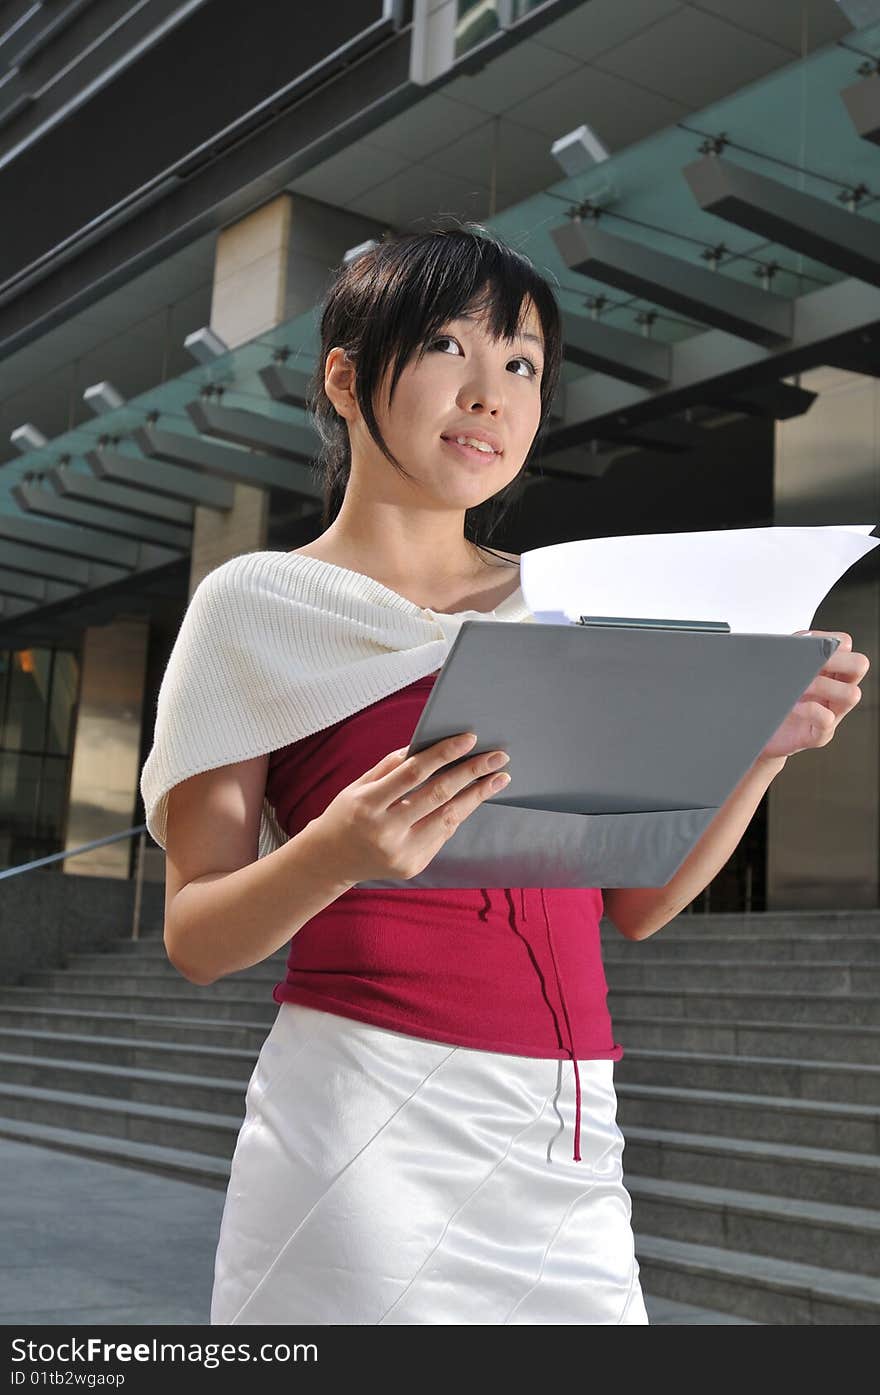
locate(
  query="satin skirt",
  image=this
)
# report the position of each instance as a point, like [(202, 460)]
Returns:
[(382, 1178)]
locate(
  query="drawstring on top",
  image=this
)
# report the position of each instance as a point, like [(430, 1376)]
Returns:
[(570, 1046), (577, 1078)]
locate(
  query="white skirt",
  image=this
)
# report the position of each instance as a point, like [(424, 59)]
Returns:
[(382, 1178)]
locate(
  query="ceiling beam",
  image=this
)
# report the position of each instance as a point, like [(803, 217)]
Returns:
[(32, 498), (862, 101), (283, 384), (68, 552), (668, 436), (826, 321), (857, 358), (633, 358), (225, 462), (84, 486), (780, 213), (708, 296), (585, 461), (155, 477), (288, 440), (774, 400), (39, 590)]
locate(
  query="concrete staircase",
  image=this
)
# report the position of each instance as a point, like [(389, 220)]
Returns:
[(119, 1058), (749, 1097)]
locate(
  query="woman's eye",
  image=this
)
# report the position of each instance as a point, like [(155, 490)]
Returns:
[(448, 339), (528, 362)]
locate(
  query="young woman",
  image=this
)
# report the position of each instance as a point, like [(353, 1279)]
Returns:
[(430, 1132)]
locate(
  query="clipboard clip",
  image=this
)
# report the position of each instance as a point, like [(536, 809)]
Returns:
[(628, 622)]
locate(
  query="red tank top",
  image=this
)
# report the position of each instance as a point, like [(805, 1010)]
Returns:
[(420, 961)]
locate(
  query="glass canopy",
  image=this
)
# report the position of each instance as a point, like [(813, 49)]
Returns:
[(792, 127)]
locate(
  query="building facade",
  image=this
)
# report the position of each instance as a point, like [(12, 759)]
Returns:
[(700, 183)]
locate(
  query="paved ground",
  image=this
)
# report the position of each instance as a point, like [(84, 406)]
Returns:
[(89, 1242)]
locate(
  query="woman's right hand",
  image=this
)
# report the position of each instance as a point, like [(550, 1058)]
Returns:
[(382, 827)]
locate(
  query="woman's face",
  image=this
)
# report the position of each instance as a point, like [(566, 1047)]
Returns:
[(465, 384)]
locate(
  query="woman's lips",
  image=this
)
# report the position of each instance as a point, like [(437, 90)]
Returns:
[(471, 452)]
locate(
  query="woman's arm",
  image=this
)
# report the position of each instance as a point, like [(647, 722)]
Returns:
[(639, 911)]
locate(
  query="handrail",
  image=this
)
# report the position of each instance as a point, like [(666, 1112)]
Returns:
[(139, 828)]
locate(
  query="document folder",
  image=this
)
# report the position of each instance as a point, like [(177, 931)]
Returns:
[(625, 737)]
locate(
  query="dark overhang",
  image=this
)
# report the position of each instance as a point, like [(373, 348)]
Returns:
[(212, 174), (713, 365)]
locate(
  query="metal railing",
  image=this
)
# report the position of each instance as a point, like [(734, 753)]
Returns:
[(139, 828)]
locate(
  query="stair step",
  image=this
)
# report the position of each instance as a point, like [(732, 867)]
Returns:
[(766, 1075), (774, 1291), (734, 1004), (756, 1037), (125, 1083), (842, 949), (165, 1124), (752, 1165), (169, 985), (199, 1168), (665, 1312), (181, 1031), (844, 1237), (270, 969), (823, 977), (196, 1004), (852, 1128), (794, 923), (128, 1052), (831, 1041)]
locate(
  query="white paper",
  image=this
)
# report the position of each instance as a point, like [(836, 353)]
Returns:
[(758, 580)]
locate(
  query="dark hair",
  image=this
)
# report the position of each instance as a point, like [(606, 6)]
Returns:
[(389, 301)]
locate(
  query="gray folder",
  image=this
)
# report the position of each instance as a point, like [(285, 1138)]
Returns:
[(624, 742)]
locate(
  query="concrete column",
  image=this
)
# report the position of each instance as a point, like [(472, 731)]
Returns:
[(250, 277), (105, 768), (270, 266), (823, 811)]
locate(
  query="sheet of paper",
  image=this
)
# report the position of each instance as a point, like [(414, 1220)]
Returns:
[(758, 580)]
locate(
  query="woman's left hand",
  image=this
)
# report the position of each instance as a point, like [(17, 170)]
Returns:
[(833, 692)]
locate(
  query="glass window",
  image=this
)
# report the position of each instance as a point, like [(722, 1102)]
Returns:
[(52, 798), (19, 788), (38, 698), (477, 20), (5, 666), (27, 700), (62, 705)]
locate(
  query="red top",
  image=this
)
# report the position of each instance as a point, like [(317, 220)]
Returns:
[(419, 961)]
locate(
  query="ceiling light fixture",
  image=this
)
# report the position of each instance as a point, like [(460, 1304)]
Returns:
[(579, 151), (204, 345), (27, 438), (354, 252), (102, 397)]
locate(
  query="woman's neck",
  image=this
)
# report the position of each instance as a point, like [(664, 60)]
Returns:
[(481, 585)]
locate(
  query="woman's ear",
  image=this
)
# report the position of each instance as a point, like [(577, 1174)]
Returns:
[(339, 376)]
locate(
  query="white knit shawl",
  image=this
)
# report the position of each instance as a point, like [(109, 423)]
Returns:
[(275, 646)]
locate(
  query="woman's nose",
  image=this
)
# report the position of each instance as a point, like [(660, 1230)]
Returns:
[(480, 395)]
